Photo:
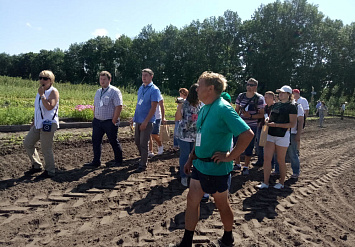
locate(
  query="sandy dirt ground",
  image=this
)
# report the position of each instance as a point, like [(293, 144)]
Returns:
[(113, 206)]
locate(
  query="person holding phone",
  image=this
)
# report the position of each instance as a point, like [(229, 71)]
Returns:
[(45, 123)]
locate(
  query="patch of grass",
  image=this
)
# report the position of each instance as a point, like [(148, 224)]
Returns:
[(17, 107)]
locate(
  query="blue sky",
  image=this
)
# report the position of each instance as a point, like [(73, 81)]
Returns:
[(32, 25)]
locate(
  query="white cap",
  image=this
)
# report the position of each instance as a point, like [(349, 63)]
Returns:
[(285, 89)]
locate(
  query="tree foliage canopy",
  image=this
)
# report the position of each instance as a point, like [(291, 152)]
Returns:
[(288, 42)]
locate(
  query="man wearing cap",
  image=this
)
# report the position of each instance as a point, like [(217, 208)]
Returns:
[(283, 116)]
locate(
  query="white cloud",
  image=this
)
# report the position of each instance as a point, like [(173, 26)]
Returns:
[(32, 27), (100, 32)]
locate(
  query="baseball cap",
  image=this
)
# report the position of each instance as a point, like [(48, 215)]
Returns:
[(226, 97), (296, 91), (285, 89)]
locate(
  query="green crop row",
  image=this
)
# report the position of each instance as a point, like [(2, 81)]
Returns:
[(17, 98)]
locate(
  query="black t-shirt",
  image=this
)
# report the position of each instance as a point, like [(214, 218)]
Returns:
[(280, 114), (268, 109)]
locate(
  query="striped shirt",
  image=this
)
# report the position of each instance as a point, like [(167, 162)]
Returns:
[(248, 104)]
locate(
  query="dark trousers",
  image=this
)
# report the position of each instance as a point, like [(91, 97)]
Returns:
[(99, 128)]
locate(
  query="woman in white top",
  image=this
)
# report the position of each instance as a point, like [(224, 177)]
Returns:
[(45, 123)]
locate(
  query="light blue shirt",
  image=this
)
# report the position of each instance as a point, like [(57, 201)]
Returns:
[(146, 95)]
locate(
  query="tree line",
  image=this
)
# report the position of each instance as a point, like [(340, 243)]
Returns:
[(288, 42)]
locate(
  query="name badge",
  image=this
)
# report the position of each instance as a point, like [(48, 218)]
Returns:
[(101, 103), (140, 101), (198, 139)]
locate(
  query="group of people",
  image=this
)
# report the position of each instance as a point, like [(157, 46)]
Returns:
[(210, 133)]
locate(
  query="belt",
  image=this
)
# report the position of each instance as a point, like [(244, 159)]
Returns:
[(103, 120), (205, 159)]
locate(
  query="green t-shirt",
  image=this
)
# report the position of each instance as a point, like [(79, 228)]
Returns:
[(217, 123)]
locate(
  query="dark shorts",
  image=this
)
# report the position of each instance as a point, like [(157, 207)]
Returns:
[(211, 184), (249, 150), (156, 127)]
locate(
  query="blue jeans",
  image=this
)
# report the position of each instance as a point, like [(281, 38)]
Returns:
[(99, 128), (292, 154), (185, 150), (176, 142)]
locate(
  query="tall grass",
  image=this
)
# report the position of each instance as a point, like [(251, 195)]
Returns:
[(17, 98)]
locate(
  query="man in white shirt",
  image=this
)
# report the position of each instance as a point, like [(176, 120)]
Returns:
[(303, 101)]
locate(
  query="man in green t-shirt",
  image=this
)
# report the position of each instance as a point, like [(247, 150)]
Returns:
[(216, 124)]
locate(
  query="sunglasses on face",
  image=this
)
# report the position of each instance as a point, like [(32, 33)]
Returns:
[(43, 78), (251, 85)]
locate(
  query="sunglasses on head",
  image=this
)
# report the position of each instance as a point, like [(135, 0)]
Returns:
[(43, 78), (251, 85)]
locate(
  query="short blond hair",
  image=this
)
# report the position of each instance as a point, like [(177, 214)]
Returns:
[(47, 73), (217, 80), (106, 73)]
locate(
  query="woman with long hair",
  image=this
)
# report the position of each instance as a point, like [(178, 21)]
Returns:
[(187, 114)]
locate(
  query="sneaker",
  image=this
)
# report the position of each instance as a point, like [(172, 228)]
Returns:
[(92, 165), (294, 176), (184, 181), (46, 174), (33, 170), (160, 150), (151, 154), (262, 186), (279, 186), (237, 167), (113, 163), (205, 197), (220, 243), (245, 171)]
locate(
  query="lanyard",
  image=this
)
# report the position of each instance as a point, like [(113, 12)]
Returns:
[(104, 91), (204, 118), (146, 90), (39, 105)]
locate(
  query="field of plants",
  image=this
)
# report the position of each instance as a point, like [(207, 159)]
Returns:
[(17, 101)]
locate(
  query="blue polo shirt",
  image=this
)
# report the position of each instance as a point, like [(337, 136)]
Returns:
[(146, 95)]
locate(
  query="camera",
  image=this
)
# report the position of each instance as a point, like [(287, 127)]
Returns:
[(47, 126), (179, 100)]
